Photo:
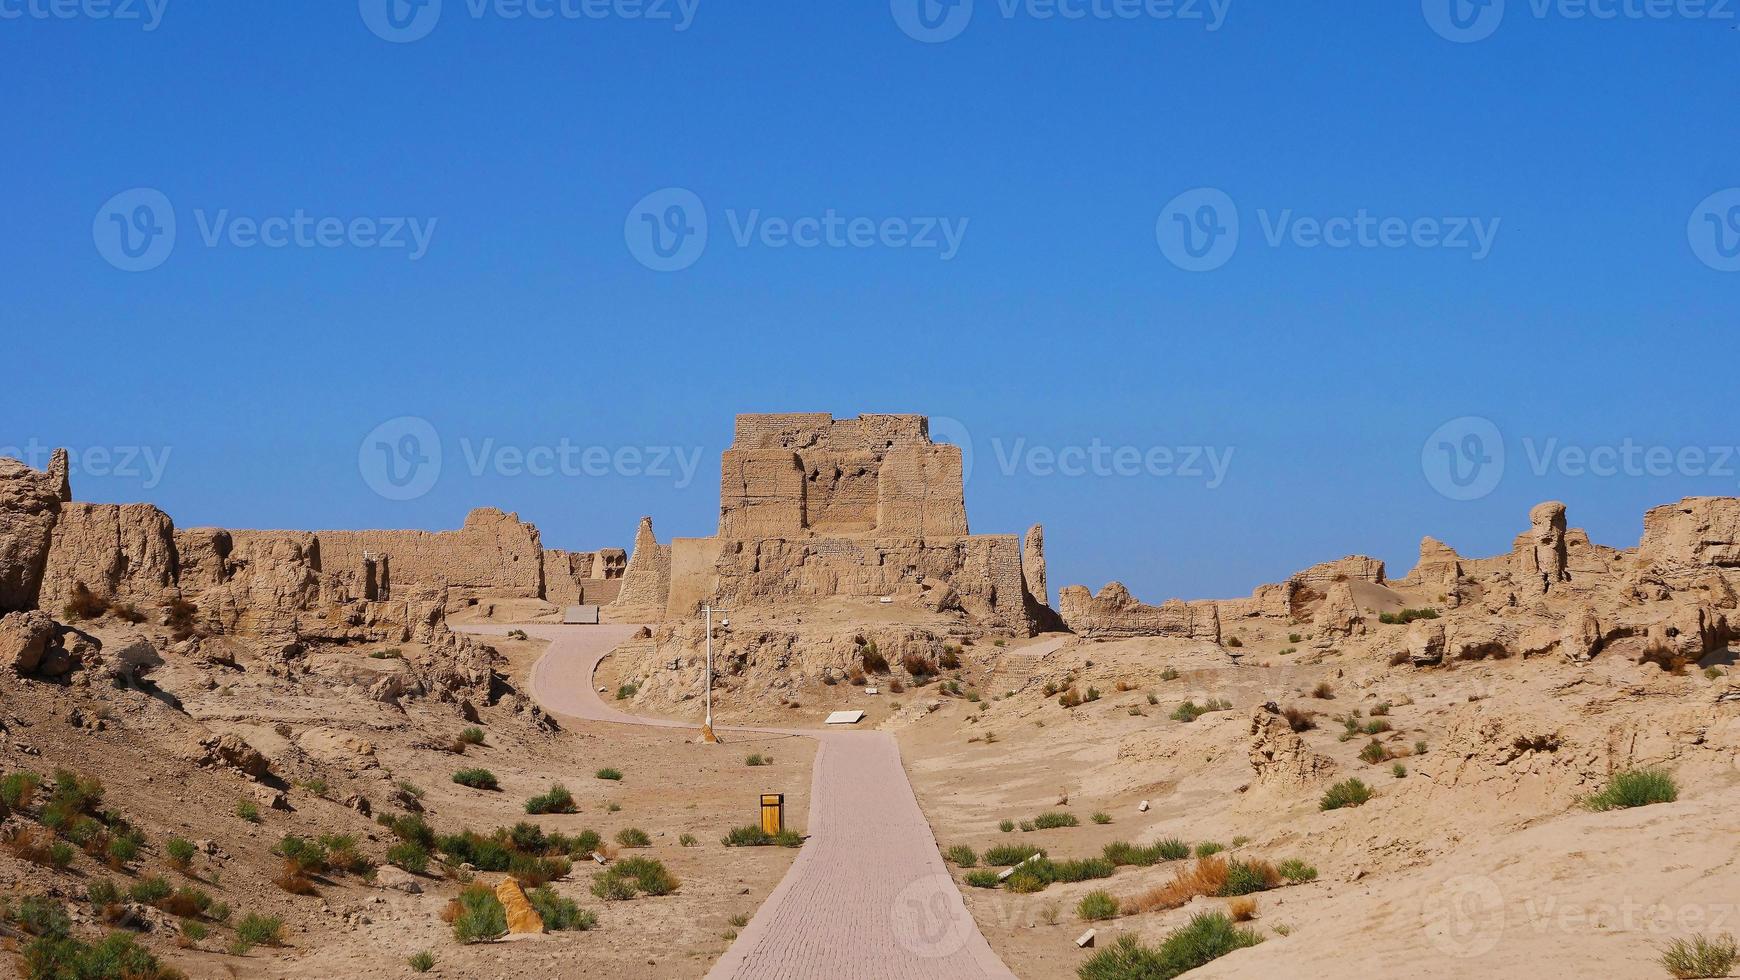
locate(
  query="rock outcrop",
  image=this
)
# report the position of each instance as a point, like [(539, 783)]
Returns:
[(1114, 612), (118, 552), (1279, 756), (1697, 532), (30, 502), (1033, 565), (646, 583), (25, 638)]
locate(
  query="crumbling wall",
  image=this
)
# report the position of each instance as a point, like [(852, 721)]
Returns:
[(494, 555), (1697, 531), (591, 578), (646, 584), (1114, 612), (30, 501), (123, 552)]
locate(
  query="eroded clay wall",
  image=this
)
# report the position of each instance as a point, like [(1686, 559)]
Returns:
[(493, 555)]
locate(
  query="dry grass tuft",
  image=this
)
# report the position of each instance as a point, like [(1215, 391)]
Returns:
[(1242, 909), (1206, 877)]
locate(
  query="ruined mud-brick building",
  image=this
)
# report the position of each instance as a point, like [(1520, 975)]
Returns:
[(870, 508)]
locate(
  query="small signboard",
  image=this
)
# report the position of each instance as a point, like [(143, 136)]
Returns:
[(580, 616)]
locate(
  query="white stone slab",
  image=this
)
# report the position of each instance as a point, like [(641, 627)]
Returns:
[(845, 717), (1087, 939)]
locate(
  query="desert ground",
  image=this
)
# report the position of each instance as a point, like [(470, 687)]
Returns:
[(240, 753)]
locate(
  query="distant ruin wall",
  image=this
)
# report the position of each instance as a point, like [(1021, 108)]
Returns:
[(493, 555), (1115, 613), (124, 552)]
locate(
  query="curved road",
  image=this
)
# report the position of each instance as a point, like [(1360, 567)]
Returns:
[(868, 896)]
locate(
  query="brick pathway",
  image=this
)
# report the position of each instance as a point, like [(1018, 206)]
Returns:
[(868, 896)]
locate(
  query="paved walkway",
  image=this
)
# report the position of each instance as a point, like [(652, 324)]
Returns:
[(867, 897)]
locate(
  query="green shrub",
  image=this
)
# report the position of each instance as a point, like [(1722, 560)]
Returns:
[(41, 916), (308, 857), (102, 892), (247, 810), (650, 877), (478, 916), (1248, 877), (1208, 936), (757, 759), (150, 891), (611, 774), (180, 852), (1399, 771), (559, 914), (1699, 957), (962, 855), (687, 840), (983, 878), (1052, 821), (17, 789), (259, 930), (123, 849), (1296, 871), (1169, 674), (611, 887), (1102, 818), (471, 736), (1635, 787), (60, 855), (409, 855), (422, 962), (1374, 753), (633, 837), (1123, 853), (1009, 855), (1006, 826), (1025, 882), (1189, 711), (586, 843), (1350, 792), (117, 955), (476, 779), (557, 800), (1096, 905), (1406, 616), (627, 691), (193, 930)]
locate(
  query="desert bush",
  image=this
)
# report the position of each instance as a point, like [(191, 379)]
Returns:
[(471, 736), (627, 691), (150, 891), (557, 800), (1169, 674), (18, 789), (83, 604), (757, 759), (586, 843), (872, 659), (247, 810), (1204, 878), (614, 775), (1249, 877), (180, 616), (102, 892), (409, 855), (1377, 726), (1374, 753), (648, 876), (1399, 771), (1298, 720), (477, 915), (477, 779), (1324, 691), (192, 932), (559, 914), (302, 854), (116, 955), (1234, 642), (1242, 909), (37, 846), (39, 915), (611, 887), (950, 658), (687, 840), (1054, 820), (422, 962), (1348, 792), (410, 828), (342, 854), (186, 903), (1294, 637), (180, 852), (1209, 848), (1101, 817), (259, 930), (1009, 855), (633, 837), (1207, 937), (962, 855), (1406, 616), (1071, 697), (1296, 871), (1698, 957), (1096, 905), (1635, 787), (1189, 711), (1124, 853), (1006, 826), (982, 878)]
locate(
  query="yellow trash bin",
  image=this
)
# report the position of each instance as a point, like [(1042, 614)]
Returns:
[(772, 813)]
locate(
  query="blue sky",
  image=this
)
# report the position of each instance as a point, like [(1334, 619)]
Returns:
[(1592, 151)]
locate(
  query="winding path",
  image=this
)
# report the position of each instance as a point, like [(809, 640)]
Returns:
[(867, 897)]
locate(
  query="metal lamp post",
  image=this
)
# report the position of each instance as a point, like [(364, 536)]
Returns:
[(707, 727)]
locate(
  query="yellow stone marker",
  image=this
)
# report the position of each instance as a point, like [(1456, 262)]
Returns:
[(521, 917)]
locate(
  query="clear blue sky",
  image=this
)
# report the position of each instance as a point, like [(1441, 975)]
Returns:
[(1058, 322)]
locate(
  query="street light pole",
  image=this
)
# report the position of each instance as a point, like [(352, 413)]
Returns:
[(707, 727)]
